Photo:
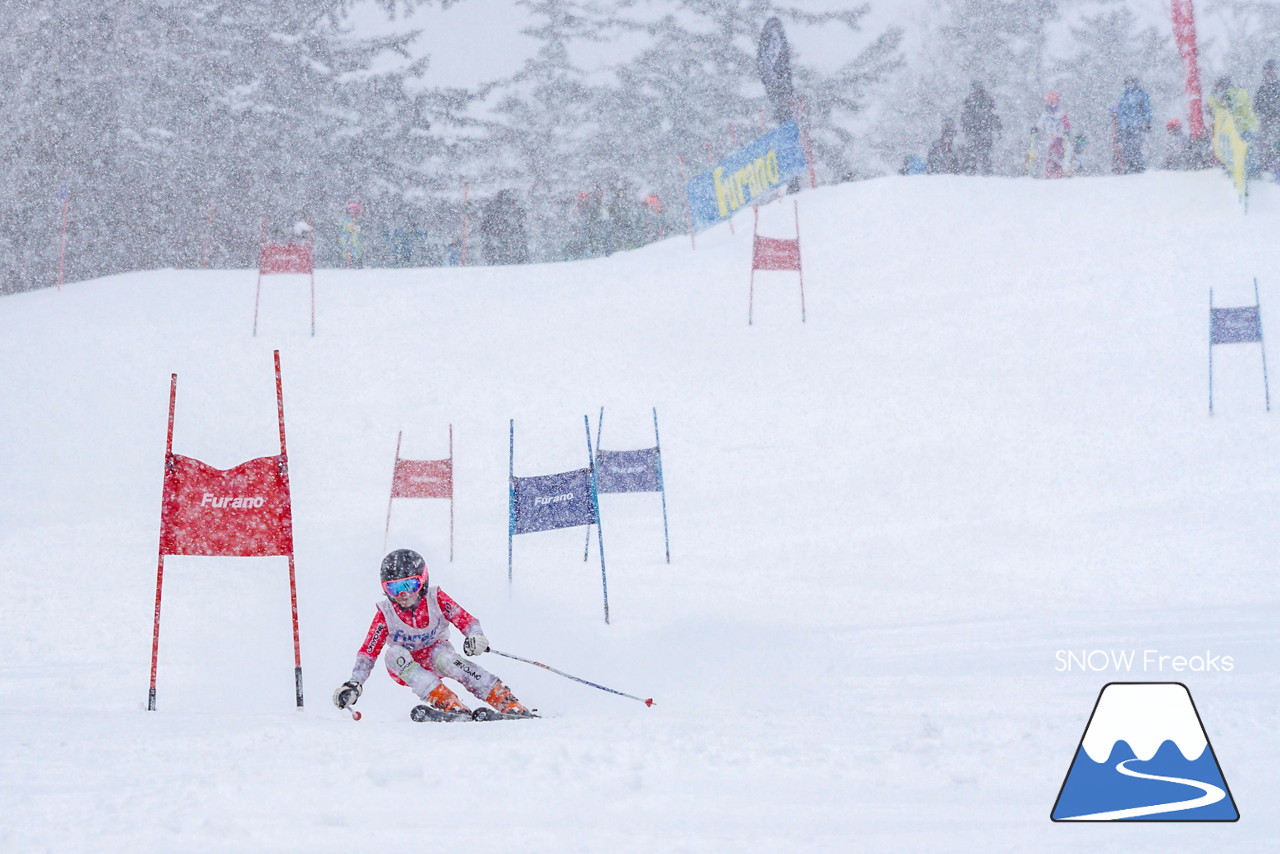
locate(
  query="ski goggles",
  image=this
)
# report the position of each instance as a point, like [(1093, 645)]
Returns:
[(402, 585)]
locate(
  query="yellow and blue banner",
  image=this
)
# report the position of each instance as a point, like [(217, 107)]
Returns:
[(746, 175)]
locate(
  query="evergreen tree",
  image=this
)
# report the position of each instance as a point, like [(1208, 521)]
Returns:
[(151, 111), (533, 138)]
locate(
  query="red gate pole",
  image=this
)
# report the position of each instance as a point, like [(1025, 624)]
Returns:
[(450, 493), (208, 237), (311, 257), (293, 582), (155, 631), (466, 192), (257, 294), (684, 179), (386, 532), (804, 138), (751, 293), (799, 261), (62, 251)]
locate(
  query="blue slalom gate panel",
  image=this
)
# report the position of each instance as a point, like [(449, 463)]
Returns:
[(551, 501), (1235, 325), (629, 471)]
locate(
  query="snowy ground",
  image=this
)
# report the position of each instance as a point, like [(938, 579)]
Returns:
[(989, 443)]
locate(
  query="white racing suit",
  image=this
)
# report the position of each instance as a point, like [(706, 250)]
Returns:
[(418, 651)]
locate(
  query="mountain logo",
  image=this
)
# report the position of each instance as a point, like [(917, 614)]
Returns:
[(1145, 756)]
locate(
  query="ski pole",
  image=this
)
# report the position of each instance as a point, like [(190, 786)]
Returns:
[(355, 716), (648, 702)]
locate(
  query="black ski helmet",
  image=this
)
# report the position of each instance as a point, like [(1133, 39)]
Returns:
[(403, 563)]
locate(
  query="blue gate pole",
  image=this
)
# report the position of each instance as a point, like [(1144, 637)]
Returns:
[(1266, 387), (595, 505), (586, 550), (662, 485), (511, 501), (1210, 351)]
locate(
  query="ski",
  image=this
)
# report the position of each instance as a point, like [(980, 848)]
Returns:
[(427, 714), (487, 714)]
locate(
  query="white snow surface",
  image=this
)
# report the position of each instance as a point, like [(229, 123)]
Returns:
[(990, 442), (1144, 716)]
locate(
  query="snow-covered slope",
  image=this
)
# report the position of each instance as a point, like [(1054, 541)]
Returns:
[(989, 443)]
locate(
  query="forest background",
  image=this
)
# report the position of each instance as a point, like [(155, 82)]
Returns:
[(173, 133)]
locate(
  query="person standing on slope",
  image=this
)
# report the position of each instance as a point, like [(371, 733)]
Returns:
[(413, 624), (1051, 133), (980, 124), (943, 157), (1227, 99), (1133, 122), (1266, 104)]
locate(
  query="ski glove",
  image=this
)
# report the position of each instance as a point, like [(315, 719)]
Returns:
[(475, 645), (347, 694)]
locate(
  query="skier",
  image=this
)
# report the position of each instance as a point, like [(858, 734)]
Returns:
[(980, 124), (413, 625), (1050, 134), (1132, 122)]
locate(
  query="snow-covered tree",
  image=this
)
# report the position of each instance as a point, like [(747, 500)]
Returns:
[(152, 111)]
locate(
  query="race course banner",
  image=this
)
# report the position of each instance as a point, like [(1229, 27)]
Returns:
[(746, 175)]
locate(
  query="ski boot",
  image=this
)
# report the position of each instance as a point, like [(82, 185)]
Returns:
[(505, 704), (442, 705)]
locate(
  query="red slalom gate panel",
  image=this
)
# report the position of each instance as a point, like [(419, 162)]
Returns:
[(285, 258), (772, 253), (422, 479), (240, 512)]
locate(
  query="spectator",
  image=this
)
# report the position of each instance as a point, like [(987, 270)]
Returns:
[(1178, 153), (502, 230), (1266, 103), (1049, 138), (913, 164), (350, 240), (1226, 99), (980, 124), (943, 158), (1133, 123)]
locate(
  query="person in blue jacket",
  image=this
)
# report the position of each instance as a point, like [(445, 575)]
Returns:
[(1133, 122)]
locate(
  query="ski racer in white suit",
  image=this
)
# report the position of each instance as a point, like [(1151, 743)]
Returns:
[(413, 625)]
